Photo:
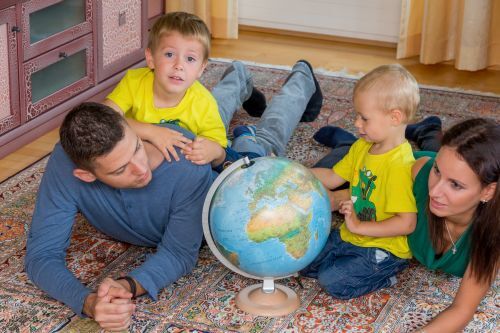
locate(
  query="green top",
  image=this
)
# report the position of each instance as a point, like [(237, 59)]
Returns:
[(420, 242)]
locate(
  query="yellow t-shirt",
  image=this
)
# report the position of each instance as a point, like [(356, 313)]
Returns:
[(382, 185), (197, 111)]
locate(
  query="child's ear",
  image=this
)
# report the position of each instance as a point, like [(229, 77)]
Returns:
[(397, 117), (84, 175), (149, 58), (205, 63)]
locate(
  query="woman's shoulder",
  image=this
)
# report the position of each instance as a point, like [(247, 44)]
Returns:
[(421, 159), (418, 165)]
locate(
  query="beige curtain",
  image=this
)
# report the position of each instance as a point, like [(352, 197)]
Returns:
[(465, 31), (221, 16)]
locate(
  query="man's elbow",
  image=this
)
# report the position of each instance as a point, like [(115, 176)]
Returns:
[(190, 263)]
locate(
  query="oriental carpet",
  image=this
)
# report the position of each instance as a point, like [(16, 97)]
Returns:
[(203, 301)]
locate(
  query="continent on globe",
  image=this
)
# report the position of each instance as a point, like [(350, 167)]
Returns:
[(288, 225)]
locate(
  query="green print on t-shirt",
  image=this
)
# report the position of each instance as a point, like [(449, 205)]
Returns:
[(171, 121), (364, 208)]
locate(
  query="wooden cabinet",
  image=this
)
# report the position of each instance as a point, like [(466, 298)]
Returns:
[(59, 53), (122, 35), (10, 116)]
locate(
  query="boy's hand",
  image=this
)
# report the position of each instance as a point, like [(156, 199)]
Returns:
[(203, 151), (352, 222), (165, 139)]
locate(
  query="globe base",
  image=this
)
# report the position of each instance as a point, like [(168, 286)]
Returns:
[(280, 302)]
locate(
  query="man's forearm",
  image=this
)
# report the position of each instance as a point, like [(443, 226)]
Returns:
[(55, 279)]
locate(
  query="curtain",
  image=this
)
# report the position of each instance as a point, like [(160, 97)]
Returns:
[(464, 31), (221, 16)]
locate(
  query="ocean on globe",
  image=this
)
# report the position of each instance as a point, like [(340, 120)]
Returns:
[(268, 219)]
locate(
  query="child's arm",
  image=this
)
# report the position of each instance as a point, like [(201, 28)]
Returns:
[(164, 139), (336, 197), (397, 225), (328, 177), (204, 151)]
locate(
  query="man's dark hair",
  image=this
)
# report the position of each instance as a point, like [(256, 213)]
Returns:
[(89, 131)]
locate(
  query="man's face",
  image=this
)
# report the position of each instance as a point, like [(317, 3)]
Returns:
[(126, 166)]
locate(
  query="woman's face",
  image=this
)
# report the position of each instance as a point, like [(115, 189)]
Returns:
[(454, 189)]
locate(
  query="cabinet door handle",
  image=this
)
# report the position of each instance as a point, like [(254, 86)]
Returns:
[(63, 55), (15, 29)]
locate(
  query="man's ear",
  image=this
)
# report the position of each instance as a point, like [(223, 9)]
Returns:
[(397, 117), (488, 192), (149, 58), (84, 175)]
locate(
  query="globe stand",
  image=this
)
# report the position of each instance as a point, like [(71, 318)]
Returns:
[(267, 299)]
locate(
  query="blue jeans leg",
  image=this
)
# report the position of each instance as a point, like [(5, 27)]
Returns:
[(350, 271), (278, 122), (232, 90), (312, 269), (283, 113)]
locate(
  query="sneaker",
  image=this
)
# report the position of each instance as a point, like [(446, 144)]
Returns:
[(412, 131), (314, 105), (244, 130), (333, 136), (256, 104)]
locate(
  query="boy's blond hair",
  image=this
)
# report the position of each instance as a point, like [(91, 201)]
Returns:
[(188, 25), (395, 88)]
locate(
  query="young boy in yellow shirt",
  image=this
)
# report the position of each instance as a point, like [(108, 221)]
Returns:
[(371, 247), (168, 92)]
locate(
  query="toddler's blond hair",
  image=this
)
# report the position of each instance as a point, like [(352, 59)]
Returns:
[(394, 87)]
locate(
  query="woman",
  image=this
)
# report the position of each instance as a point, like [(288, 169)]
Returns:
[(458, 201)]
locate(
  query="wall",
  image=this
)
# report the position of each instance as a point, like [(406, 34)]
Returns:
[(365, 19)]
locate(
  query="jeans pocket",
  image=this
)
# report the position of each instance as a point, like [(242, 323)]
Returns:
[(380, 256)]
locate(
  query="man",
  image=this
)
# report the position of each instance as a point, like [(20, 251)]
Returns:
[(125, 189)]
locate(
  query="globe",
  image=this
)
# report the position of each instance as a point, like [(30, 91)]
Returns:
[(267, 218)]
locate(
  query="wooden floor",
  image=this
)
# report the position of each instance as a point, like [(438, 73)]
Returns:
[(277, 49)]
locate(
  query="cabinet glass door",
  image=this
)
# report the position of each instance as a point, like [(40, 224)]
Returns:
[(53, 19), (47, 24), (56, 76)]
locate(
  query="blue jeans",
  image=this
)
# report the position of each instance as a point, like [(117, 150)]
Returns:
[(346, 271), (278, 122)]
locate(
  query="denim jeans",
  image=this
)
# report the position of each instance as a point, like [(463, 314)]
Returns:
[(283, 113), (346, 271)]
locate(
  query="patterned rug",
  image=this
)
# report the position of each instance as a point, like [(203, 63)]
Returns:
[(203, 301)]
